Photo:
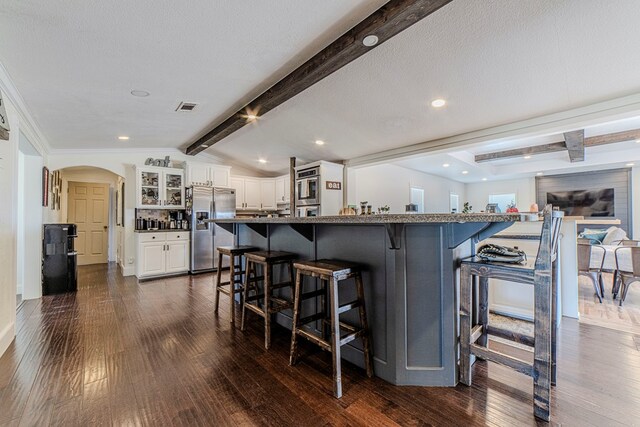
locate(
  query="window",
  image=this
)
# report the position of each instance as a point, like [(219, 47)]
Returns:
[(417, 198), (502, 200), (454, 201)]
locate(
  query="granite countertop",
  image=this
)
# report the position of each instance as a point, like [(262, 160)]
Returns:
[(166, 230), (379, 219)]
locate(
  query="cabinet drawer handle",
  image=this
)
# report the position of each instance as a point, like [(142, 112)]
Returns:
[(153, 237)]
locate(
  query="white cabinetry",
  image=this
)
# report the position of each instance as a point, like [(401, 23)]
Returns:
[(268, 194), (238, 184), (252, 198), (162, 253), (209, 175), (254, 193), (159, 188), (283, 188)]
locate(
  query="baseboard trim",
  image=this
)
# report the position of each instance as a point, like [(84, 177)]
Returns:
[(6, 337), (127, 271), (508, 310)]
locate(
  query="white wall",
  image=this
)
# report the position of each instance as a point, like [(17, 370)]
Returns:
[(8, 229), (389, 184), (524, 188), (32, 227)]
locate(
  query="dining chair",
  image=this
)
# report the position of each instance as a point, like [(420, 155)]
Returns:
[(585, 252), (615, 289), (624, 279)]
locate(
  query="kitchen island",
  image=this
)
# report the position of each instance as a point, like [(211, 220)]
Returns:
[(410, 276)]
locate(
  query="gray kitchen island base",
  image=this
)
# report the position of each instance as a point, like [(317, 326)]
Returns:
[(410, 277)]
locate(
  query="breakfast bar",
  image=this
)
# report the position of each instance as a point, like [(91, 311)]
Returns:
[(409, 264)]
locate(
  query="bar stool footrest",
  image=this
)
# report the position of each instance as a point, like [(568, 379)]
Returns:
[(349, 306), (503, 359), (314, 339), (345, 339)]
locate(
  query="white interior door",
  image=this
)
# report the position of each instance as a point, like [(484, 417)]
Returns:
[(88, 208)]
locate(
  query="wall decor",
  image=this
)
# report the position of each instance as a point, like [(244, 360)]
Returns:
[(45, 186), (163, 163), (56, 189), (4, 120), (333, 185)]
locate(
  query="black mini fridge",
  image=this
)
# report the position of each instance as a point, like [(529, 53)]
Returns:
[(59, 259)]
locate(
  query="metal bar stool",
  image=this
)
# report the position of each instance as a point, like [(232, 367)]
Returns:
[(542, 275), (234, 285), (270, 303), (330, 274)]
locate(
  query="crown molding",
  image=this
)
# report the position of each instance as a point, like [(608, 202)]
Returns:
[(27, 124), (550, 124)]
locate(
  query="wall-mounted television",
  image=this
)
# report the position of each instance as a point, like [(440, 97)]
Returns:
[(587, 203)]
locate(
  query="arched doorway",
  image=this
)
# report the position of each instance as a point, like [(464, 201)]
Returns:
[(92, 199)]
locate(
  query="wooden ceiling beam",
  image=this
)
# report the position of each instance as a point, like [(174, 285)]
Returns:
[(592, 141), (575, 145), (391, 19), (612, 138), (521, 152)]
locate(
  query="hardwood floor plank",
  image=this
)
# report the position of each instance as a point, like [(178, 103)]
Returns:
[(119, 352)]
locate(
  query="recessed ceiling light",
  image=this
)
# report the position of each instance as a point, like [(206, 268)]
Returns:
[(140, 93), (484, 179), (539, 173), (527, 156), (445, 165), (123, 138), (630, 164), (465, 172), (262, 160), (370, 40), (437, 103), (319, 142), (252, 117)]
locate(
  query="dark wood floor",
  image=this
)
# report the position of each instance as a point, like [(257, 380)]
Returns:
[(123, 353)]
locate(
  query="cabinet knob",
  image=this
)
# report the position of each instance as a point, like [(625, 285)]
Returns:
[(153, 237), (178, 236)]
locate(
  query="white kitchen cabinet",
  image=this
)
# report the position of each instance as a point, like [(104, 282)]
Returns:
[(283, 187), (208, 175), (268, 194), (152, 259), (162, 253), (238, 185), (197, 174), (159, 188), (220, 176), (177, 256), (252, 193)]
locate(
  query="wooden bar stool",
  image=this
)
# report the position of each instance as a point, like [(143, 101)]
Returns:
[(540, 273), (330, 274), (270, 303), (235, 283)]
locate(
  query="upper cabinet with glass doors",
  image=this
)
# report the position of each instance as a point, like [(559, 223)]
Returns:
[(159, 188)]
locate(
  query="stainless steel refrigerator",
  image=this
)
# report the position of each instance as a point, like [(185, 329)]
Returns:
[(208, 203)]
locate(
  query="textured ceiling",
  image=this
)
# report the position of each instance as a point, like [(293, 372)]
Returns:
[(76, 62), (495, 61)]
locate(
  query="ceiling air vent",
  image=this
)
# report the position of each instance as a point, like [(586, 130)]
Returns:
[(186, 106)]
